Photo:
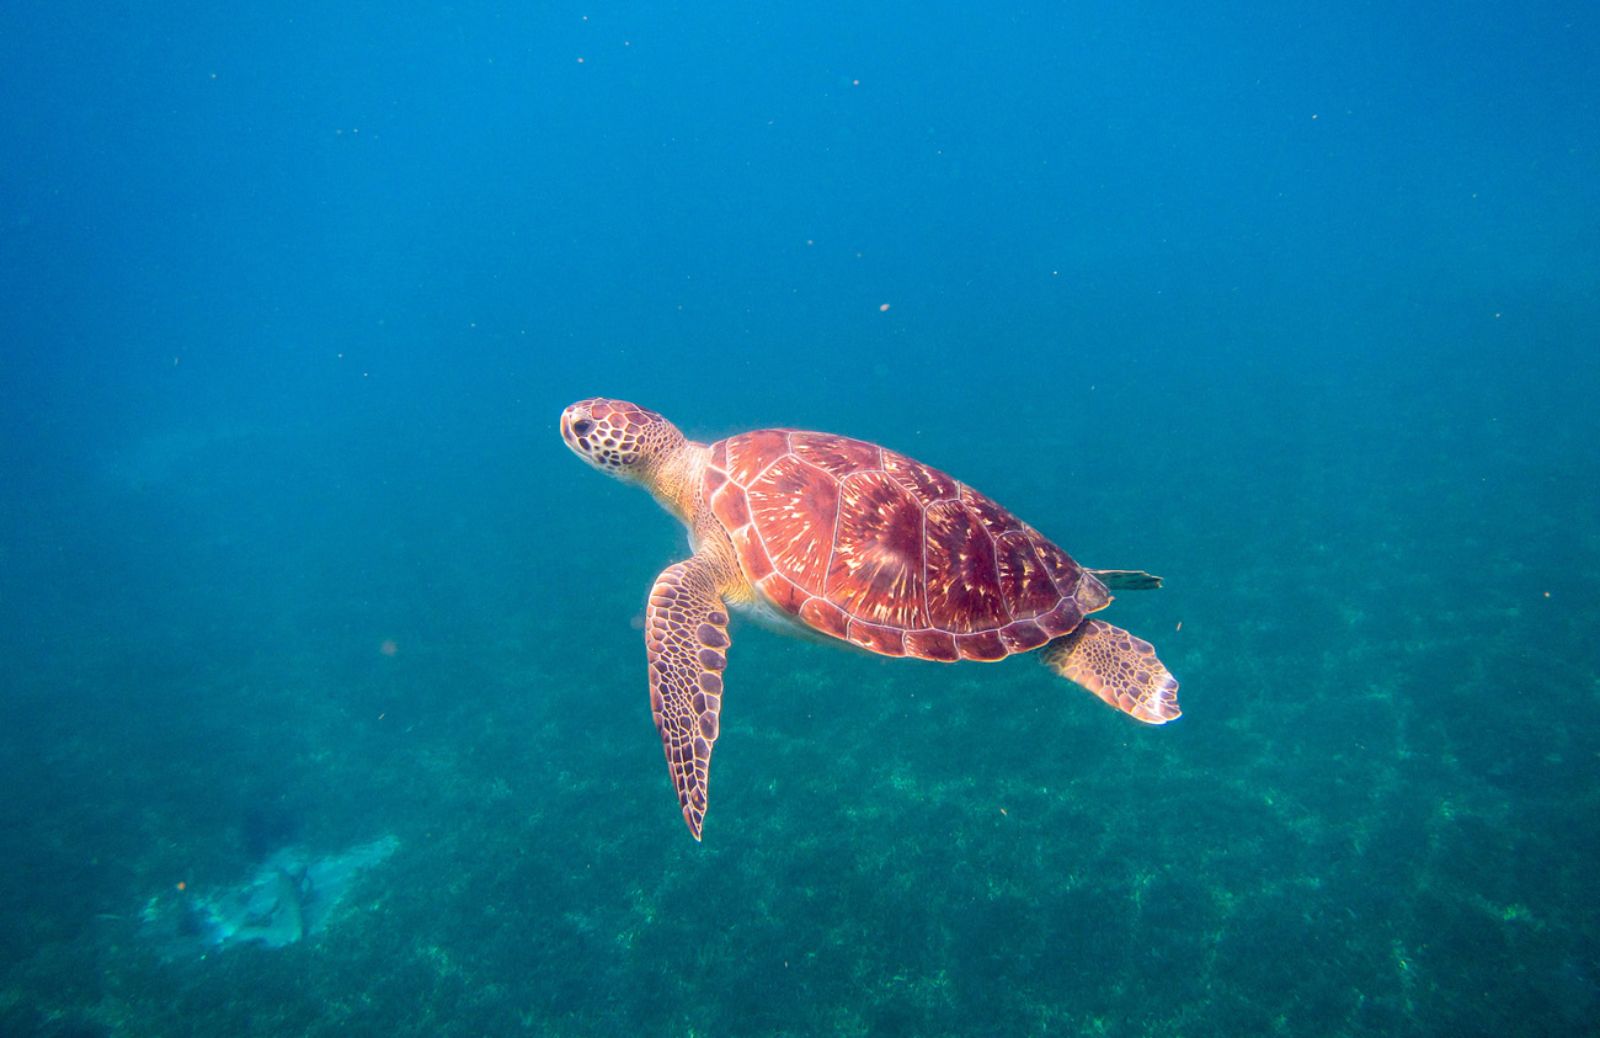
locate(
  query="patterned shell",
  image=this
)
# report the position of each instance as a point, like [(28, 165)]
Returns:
[(865, 544)]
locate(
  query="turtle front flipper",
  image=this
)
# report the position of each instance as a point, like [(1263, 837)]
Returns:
[(1118, 667), (686, 636)]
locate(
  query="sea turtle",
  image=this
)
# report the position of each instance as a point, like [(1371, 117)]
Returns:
[(841, 537)]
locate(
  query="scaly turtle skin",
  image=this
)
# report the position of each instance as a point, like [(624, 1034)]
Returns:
[(854, 541)]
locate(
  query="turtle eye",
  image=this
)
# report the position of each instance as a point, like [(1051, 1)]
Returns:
[(581, 427)]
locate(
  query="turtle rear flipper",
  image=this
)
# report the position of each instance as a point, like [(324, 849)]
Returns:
[(1127, 579), (1118, 667)]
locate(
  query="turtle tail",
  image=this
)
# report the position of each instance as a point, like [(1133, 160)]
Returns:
[(1127, 579)]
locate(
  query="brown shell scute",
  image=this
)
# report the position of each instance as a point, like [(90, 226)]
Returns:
[(876, 569), (752, 452), (928, 484), (795, 507), (1023, 580), (835, 455), (866, 544), (964, 591)]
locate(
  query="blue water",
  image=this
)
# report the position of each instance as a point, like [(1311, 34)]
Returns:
[(1295, 305)]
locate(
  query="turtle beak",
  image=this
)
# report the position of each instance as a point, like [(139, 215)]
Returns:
[(572, 416)]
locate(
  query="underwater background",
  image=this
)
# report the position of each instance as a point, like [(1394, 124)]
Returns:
[(1294, 304)]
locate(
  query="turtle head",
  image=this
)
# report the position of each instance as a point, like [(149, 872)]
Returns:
[(618, 438)]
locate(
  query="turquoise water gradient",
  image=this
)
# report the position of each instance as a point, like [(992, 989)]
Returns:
[(1296, 307)]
